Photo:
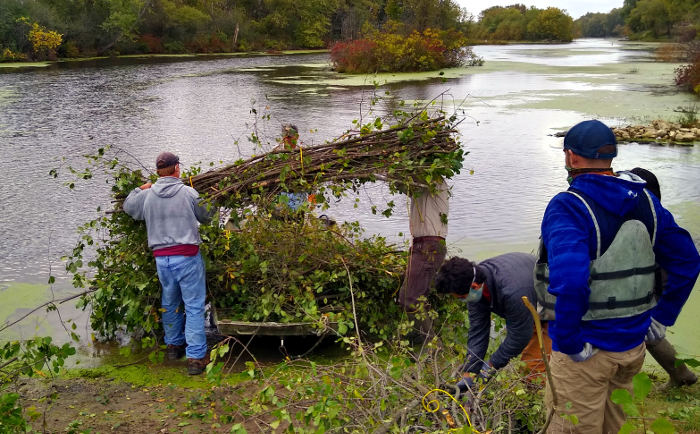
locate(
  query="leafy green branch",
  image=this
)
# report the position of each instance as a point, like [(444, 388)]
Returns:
[(634, 406)]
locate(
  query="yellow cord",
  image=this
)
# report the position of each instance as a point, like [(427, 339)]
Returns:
[(191, 182), (538, 324), (301, 160), (427, 407), (540, 339)]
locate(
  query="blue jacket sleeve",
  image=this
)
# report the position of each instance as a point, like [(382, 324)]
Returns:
[(519, 326), (676, 254), (566, 232), (479, 329), (133, 205)]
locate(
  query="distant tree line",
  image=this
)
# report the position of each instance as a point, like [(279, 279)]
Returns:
[(80, 28), (519, 23), (99, 27), (677, 20)]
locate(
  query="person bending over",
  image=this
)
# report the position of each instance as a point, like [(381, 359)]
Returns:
[(497, 286)]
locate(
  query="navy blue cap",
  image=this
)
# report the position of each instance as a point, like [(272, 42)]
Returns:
[(588, 137)]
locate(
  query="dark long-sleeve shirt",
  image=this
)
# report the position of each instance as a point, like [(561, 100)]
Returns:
[(508, 278)]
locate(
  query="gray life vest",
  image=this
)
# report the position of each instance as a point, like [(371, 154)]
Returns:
[(621, 281)]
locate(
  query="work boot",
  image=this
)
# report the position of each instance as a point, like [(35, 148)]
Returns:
[(175, 352), (197, 366), (664, 353)]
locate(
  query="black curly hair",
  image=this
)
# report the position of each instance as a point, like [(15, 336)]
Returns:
[(652, 182), (456, 274)]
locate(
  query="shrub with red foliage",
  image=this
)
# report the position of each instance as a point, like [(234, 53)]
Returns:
[(395, 52), (213, 43), (688, 76), (354, 56), (154, 43)]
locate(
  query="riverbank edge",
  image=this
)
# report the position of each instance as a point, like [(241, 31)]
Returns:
[(660, 132), (195, 402), (195, 56), (183, 56)]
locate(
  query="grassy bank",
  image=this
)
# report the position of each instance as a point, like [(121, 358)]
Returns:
[(358, 391)]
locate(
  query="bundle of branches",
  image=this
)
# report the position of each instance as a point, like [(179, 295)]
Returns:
[(414, 154), (283, 270), (271, 269), (304, 270)]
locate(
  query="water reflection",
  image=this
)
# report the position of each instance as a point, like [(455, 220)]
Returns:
[(203, 110), (584, 52)]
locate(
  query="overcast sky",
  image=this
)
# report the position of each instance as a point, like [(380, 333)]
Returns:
[(575, 8)]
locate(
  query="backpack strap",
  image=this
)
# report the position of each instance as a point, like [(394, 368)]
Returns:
[(653, 215)]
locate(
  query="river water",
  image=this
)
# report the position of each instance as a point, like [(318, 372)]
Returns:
[(203, 110)]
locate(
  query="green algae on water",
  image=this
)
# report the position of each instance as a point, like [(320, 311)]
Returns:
[(353, 80), (19, 295), (17, 299), (687, 216), (144, 374), (19, 65)]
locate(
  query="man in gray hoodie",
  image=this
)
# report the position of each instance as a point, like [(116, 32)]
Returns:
[(172, 212)]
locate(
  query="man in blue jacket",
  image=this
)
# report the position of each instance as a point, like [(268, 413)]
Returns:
[(601, 241), (173, 211)]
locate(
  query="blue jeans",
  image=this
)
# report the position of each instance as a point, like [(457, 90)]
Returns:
[(183, 280), (294, 200)]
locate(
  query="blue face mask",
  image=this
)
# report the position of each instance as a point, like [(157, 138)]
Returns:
[(475, 293)]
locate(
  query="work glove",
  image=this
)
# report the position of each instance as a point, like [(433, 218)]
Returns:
[(467, 383), (486, 371), (656, 332), (468, 380), (586, 353)]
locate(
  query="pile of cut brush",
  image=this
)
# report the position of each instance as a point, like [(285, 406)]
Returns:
[(277, 269), (411, 155), (301, 270)]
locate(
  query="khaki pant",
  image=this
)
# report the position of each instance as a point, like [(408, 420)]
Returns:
[(583, 389)]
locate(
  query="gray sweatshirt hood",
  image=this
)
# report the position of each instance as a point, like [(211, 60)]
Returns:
[(167, 186), (172, 211)]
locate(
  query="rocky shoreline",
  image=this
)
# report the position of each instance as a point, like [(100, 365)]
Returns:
[(659, 132)]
